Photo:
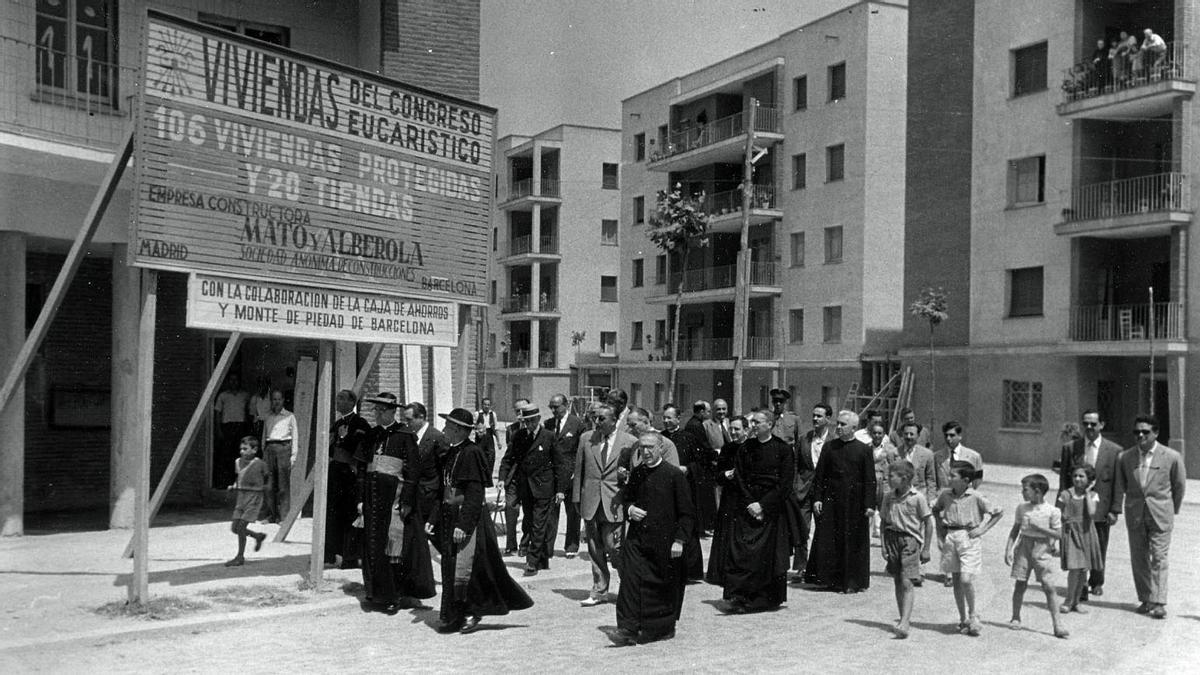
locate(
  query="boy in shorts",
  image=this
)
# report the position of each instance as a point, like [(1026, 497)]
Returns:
[(907, 524), (963, 516), (1032, 546)]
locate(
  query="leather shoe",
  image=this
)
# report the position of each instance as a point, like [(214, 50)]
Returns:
[(646, 637), (622, 638), (470, 625), (530, 572), (452, 627), (1158, 612), (1144, 608), (1097, 591), (593, 600)]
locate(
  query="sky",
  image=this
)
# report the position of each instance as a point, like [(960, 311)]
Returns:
[(550, 62)]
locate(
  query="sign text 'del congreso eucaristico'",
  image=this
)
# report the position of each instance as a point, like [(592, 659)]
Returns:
[(259, 162)]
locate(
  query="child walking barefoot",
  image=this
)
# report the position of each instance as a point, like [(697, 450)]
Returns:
[(1031, 545), (251, 484), (907, 535), (1080, 543)]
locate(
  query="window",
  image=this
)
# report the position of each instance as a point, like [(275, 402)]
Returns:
[(799, 171), (835, 163), (635, 394), (76, 47), (608, 176), (276, 35), (639, 147), (660, 270), (1027, 181), (837, 82), (833, 324), (683, 392), (797, 239), (495, 239), (635, 337), (639, 210), (1025, 292), (659, 390), (660, 333), (1029, 69), (608, 342), (800, 92), (491, 345), (608, 232), (608, 289), (492, 293), (796, 326), (833, 244), (639, 271), (1022, 403)]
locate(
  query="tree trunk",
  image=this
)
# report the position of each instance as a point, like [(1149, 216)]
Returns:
[(932, 385), (675, 333)]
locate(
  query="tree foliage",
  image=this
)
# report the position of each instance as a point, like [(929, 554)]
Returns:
[(931, 306)]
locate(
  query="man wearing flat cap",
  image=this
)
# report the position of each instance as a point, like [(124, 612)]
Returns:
[(535, 463), (785, 420)]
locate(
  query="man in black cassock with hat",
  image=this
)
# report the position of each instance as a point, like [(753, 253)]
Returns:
[(661, 516), (844, 499), (475, 582)]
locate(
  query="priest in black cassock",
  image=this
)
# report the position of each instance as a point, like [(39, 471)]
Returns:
[(661, 516), (759, 548), (691, 460), (844, 500), (475, 582)]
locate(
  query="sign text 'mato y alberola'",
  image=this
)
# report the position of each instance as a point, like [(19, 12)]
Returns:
[(259, 162)]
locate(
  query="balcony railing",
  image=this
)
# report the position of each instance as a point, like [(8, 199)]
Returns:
[(523, 303), (721, 203), (1087, 80), (677, 142), (723, 276), (547, 244), (708, 349), (1121, 323), (1143, 194), (63, 97), (760, 348), (517, 359), (546, 360), (524, 188)]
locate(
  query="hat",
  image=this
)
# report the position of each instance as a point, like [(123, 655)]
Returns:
[(460, 416), (383, 398), (781, 394), (529, 412)]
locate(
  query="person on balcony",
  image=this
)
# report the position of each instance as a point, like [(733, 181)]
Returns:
[(1154, 52), (1126, 47), (1101, 65)]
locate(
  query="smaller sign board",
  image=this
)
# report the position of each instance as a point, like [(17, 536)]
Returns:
[(263, 308)]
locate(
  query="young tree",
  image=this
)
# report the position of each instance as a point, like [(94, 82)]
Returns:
[(931, 306), (679, 223)]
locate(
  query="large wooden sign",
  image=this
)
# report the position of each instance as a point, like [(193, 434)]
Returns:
[(259, 162)]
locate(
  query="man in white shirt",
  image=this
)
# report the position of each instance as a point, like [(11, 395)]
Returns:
[(230, 406), (1101, 454), (280, 448)]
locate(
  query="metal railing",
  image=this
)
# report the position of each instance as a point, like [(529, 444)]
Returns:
[(1144, 194), (515, 303), (1121, 323), (547, 244), (63, 97), (524, 188), (546, 360), (1127, 70), (707, 349), (722, 276), (697, 136), (721, 203), (517, 359), (760, 348), (519, 245)]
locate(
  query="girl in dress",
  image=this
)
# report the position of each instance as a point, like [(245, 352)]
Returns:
[(1080, 544)]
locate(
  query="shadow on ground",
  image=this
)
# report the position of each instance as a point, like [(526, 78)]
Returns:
[(286, 566)]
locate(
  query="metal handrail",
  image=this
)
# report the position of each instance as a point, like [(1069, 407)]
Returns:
[(682, 140), (1169, 191), (1123, 323), (1127, 70)]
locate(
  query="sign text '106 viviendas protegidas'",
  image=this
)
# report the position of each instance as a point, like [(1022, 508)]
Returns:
[(260, 162)]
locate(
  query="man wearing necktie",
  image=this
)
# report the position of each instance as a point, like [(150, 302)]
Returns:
[(566, 428), (1101, 453), (596, 481), (1151, 479)]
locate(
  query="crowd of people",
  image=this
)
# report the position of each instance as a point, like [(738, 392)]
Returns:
[(784, 507), (1122, 61)]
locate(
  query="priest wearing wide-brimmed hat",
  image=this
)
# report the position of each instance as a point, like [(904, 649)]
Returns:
[(539, 469)]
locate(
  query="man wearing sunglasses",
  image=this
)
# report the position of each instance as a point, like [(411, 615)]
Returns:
[(1101, 454), (1151, 478)]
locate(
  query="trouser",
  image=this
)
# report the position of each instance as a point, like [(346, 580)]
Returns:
[(512, 512), (340, 537), (1097, 576), (604, 543), (571, 538), (279, 465), (800, 548), (535, 520), (1148, 546)]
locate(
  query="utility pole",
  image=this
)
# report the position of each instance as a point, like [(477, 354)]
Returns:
[(741, 303), (1150, 337)]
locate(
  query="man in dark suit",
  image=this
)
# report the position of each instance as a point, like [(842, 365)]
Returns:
[(808, 451), (1151, 479), (535, 464), (567, 428), (1101, 454), (426, 477), (347, 459), (706, 477), (512, 501)]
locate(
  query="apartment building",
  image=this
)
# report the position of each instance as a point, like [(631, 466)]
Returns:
[(826, 216), (555, 263), (1069, 242), (69, 72)]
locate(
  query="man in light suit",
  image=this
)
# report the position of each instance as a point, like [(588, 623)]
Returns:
[(567, 428), (1151, 478), (595, 491), (955, 451), (1101, 454), (717, 428)]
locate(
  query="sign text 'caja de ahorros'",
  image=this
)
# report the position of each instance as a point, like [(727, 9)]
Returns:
[(259, 162)]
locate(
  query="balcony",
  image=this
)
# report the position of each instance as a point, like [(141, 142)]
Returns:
[(518, 359), (760, 348), (521, 193), (1126, 323), (1141, 89), (523, 304), (719, 283), (708, 349), (1130, 207), (722, 140), (725, 208), (520, 249)]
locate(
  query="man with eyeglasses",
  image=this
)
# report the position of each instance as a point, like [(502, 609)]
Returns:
[(1151, 479), (1101, 454), (566, 428), (595, 488)]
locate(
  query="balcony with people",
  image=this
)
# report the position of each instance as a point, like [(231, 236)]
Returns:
[(723, 198), (1130, 62), (532, 182), (523, 246), (526, 302), (711, 127)]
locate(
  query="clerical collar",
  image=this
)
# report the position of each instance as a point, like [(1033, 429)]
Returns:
[(651, 466), (455, 445)]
